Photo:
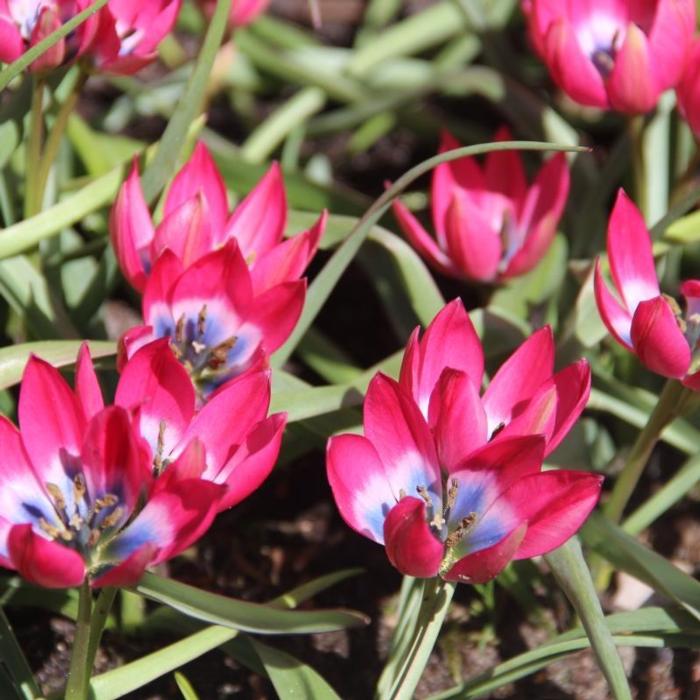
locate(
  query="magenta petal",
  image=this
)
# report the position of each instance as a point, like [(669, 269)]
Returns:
[(410, 545), (503, 170), (113, 461), (131, 229), (253, 461), (519, 377), (658, 340), (360, 485), (276, 311), (200, 175), (86, 385), (669, 40), (688, 90), (629, 254), (401, 436), (158, 388), (44, 562), (573, 386), (51, 420), (554, 504), (167, 270), (486, 564), (449, 341), (421, 240), (535, 416), (472, 244), (632, 86), (129, 571), (258, 222), (11, 44), (457, 418), (615, 317)]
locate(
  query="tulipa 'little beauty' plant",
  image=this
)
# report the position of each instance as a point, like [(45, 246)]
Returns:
[(688, 90), (218, 325), (613, 54), (80, 497), (489, 224), (196, 222), (642, 319), (242, 11), (439, 496)]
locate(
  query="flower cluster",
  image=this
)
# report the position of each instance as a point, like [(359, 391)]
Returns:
[(121, 38), (451, 481), (101, 492)]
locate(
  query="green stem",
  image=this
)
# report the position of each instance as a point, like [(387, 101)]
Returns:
[(36, 130), (437, 595), (668, 407), (55, 135), (79, 673), (636, 131), (100, 613)]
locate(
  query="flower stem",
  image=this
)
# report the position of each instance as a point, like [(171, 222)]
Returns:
[(636, 131), (668, 407), (435, 603), (36, 131), (79, 673), (55, 135)]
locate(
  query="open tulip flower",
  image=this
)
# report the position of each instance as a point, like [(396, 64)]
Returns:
[(80, 498), (489, 225), (688, 90), (613, 54), (130, 31), (642, 319), (24, 23), (441, 507), (524, 397), (217, 324), (196, 222)]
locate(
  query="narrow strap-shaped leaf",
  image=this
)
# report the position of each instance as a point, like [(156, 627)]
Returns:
[(572, 574), (165, 160), (241, 615), (15, 662), (292, 599)]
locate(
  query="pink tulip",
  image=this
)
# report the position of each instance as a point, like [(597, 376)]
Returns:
[(452, 484), (688, 90), (196, 221), (217, 323), (80, 497), (24, 23), (130, 31), (641, 318), (613, 54), (489, 225)]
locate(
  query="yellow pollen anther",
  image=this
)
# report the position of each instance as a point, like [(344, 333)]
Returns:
[(201, 320), (79, 488), (56, 495), (180, 329), (112, 519)]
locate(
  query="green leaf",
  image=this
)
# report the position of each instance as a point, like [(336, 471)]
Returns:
[(241, 615), (59, 353), (132, 676), (572, 574), (15, 68), (165, 160), (185, 687), (16, 664), (294, 598), (626, 554), (291, 678), (328, 277)]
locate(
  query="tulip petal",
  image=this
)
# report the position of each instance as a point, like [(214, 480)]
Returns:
[(457, 418), (87, 387), (472, 244), (410, 545), (630, 255), (258, 222), (360, 485), (669, 40), (11, 44), (276, 312), (402, 438), (573, 386), (200, 175), (129, 571), (658, 340), (616, 318), (449, 341), (486, 564), (519, 377), (44, 562), (156, 297), (504, 172)]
